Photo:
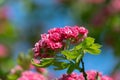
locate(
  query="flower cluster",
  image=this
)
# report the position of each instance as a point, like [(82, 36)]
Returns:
[(28, 75), (91, 75), (56, 39), (72, 76)]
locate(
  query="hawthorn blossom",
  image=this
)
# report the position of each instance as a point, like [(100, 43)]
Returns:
[(56, 39), (72, 76), (91, 75), (106, 78), (28, 75)]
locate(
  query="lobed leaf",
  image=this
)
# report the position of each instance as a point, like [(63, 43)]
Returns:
[(44, 62), (71, 54), (60, 65), (71, 68)]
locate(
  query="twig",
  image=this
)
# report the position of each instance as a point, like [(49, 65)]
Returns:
[(83, 70)]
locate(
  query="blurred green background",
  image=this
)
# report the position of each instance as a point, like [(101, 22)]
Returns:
[(22, 22)]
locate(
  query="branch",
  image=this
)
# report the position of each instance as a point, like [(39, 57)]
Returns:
[(83, 70)]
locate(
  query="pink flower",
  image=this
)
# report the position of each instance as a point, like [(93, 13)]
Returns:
[(36, 49), (28, 75), (54, 30), (107, 78), (91, 75), (54, 45), (51, 41), (72, 76), (45, 36), (83, 30), (3, 51), (55, 37), (67, 32)]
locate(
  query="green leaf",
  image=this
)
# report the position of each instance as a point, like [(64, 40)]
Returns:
[(78, 59), (44, 62), (12, 77), (60, 65), (71, 68), (89, 46), (93, 51), (79, 46), (95, 45), (24, 60), (71, 54), (86, 43)]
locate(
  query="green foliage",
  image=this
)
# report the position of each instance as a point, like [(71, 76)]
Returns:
[(89, 46), (71, 54), (8, 34), (13, 76), (71, 68), (60, 65), (44, 62), (70, 59), (78, 59), (25, 60)]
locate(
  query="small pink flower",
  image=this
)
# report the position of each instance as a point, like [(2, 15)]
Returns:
[(45, 36), (55, 37), (28, 75), (83, 30), (107, 78), (36, 49), (72, 76), (3, 51), (51, 41), (54, 45), (67, 32), (91, 75), (54, 30)]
